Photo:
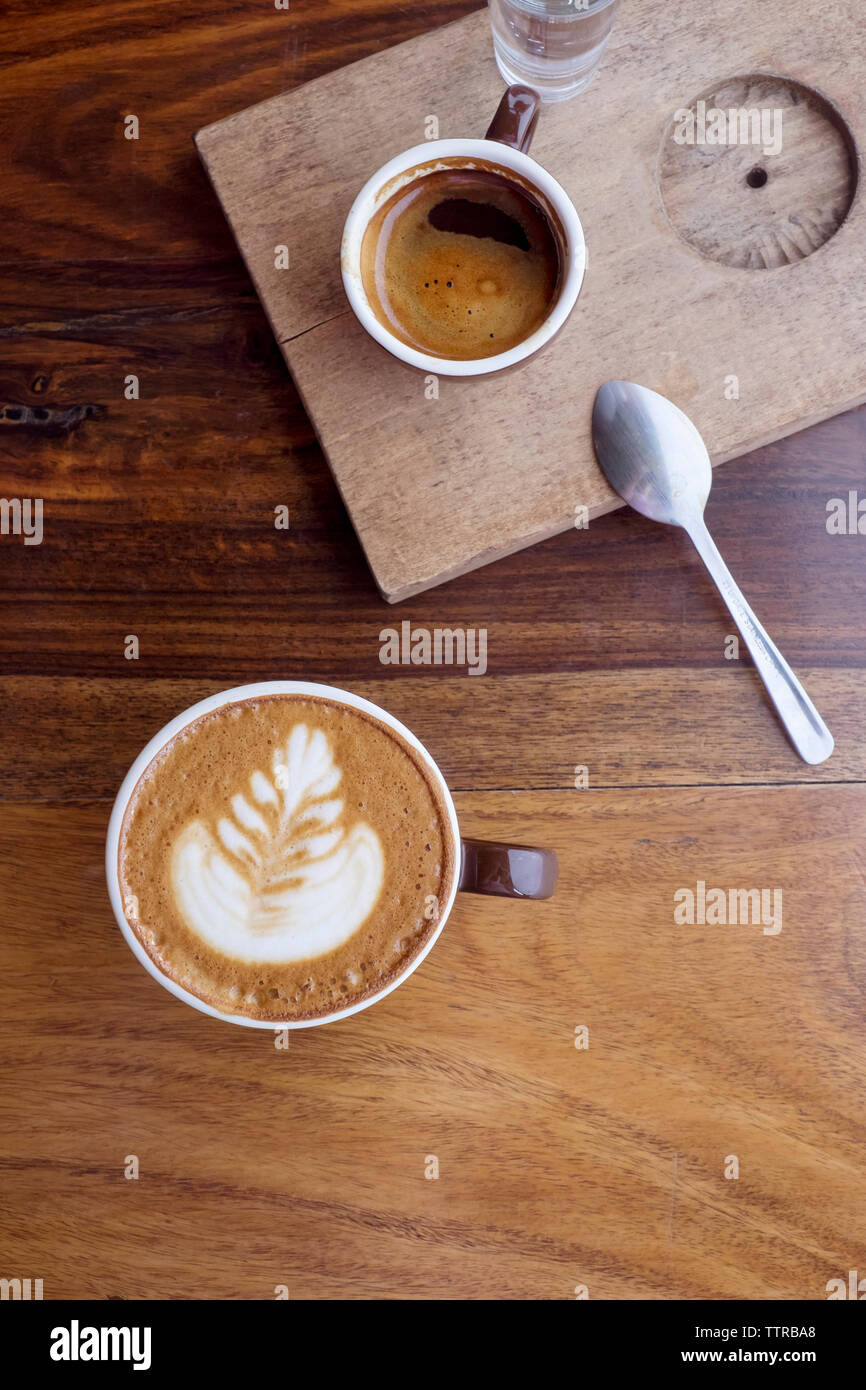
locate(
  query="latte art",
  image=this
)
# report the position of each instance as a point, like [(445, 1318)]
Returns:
[(285, 857), (283, 878)]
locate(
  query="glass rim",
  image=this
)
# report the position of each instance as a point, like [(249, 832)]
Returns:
[(552, 9)]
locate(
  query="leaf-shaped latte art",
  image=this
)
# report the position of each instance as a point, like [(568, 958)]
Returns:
[(282, 878)]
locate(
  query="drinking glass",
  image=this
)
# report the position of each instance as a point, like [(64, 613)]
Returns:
[(554, 46)]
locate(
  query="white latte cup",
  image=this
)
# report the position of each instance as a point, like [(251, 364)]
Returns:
[(504, 148), (482, 866)]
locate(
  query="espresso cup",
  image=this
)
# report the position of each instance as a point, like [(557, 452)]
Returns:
[(487, 867), (503, 151)]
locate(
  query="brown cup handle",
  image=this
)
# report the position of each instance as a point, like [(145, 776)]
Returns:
[(507, 871), (516, 118)]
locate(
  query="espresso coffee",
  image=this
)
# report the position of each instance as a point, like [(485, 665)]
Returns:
[(461, 263), (285, 857)]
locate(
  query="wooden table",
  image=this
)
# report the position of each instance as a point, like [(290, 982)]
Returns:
[(558, 1165)]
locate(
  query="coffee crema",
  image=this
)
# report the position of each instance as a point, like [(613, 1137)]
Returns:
[(461, 263), (285, 857)]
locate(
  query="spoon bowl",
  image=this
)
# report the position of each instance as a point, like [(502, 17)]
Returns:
[(651, 453)]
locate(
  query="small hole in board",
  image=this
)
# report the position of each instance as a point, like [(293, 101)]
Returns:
[(757, 177)]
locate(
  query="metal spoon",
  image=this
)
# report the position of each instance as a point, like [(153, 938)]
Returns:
[(653, 456)]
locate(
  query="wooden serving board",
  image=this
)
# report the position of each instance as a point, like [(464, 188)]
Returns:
[(743, 304)]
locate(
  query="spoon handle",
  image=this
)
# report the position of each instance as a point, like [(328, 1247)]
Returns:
[(806, 729)]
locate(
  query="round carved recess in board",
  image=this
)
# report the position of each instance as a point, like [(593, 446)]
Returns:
[(758, 172)]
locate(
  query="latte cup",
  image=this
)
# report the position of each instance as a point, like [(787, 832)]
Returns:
[(504, 151), (488, 867)]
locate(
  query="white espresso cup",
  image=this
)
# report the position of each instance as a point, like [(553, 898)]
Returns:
[(504, 150), (500, 870)]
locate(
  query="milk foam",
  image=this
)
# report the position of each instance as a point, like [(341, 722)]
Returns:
[(284, 878)]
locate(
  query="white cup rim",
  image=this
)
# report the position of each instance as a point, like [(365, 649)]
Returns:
[(260, 690), (494, 152)]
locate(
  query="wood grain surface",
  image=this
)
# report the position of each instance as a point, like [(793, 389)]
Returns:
[(558, 1166), (438, 484)]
